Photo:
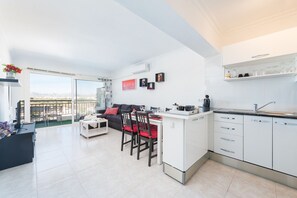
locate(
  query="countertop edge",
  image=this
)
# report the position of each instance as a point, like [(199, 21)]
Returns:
[(185, 117), (254, 114)]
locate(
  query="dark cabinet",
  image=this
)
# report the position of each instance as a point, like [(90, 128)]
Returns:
[(18, 149)]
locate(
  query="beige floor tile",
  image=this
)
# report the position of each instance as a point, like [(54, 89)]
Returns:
[(249, 186), (66, 188), (285, 192), (43, 165), (51, 176)]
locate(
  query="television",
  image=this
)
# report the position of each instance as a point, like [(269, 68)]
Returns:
[(20, 111)]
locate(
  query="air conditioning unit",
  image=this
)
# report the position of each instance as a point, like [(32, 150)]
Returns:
[(141, 68)]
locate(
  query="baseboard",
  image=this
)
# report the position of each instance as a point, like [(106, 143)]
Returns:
[(266, 173)]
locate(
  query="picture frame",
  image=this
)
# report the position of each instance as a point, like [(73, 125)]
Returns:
[(151, 85), (143, 82), (160, 77), (128, 84)]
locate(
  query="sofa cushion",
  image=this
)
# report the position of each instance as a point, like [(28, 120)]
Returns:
[(111, 111), (125, 108), (114, 118)]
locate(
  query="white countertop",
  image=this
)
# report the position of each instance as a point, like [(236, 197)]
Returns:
[(185, 117)]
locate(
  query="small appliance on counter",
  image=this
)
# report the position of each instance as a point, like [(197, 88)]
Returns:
[(206, 103)]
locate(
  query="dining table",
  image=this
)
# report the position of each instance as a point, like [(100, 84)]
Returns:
[(157, 121)]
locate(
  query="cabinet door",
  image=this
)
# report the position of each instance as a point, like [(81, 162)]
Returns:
[(229, 145), (173, 142), (285, 145), (225, 117), (272, 45), (196, 140), (258, 140), (228, 128)]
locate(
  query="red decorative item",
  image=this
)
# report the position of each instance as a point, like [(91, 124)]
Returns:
[(11, 68), (128, 84)]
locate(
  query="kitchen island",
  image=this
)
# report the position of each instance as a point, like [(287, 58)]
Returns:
[(185, 144)]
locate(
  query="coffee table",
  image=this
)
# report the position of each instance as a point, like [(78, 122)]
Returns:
[(91, 128)]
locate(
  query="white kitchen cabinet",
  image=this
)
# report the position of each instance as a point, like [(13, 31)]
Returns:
[(196, 140), (173, 142), (285, 145), (272, 45), (225, 117), (229, 145), (184, 141), (258, 140), (228, 135)]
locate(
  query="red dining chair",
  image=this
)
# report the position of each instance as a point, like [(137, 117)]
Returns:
[(128, 128), (146, 133)]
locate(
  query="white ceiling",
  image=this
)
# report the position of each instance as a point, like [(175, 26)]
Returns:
[(237, 20), (96, 33), (105, 36)]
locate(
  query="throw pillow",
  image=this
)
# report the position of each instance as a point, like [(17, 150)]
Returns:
[(111, 111)]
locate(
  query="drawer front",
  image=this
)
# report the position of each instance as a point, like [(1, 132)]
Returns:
[(228, 128), (229, 145), (233, 118)]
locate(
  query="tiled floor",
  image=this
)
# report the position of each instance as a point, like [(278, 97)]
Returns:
[(68, 165)]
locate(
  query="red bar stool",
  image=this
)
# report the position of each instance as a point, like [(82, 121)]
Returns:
[(146, 133), (128, 128)]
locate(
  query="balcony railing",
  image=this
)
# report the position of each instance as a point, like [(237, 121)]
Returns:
[(59, 110)]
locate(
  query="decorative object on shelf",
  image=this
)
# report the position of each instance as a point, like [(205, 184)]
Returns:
[(11, 70), (160, 77), (151, 85), (228, 74), (128, 84), (143, 82)]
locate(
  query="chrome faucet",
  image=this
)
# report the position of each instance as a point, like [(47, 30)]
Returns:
[(256, 106)]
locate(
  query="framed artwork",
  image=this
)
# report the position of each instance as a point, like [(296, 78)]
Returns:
[(143, 82), (160, 77), (151, 85), (128, 84)]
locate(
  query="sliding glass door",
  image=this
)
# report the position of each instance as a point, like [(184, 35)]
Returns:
[(50, 100), (89, 97)]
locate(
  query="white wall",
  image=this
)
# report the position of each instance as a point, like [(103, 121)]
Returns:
[(243, 94), (4, 58), (184, 81)]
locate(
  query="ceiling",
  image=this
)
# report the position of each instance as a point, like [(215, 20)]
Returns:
[(103, 35), (97, 33), (237, 20)]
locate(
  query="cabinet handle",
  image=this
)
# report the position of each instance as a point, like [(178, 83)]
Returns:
[(227, 150), (225, 118), (287, 124), (262, 121), (225, 128), (226, 139), (195, 119), (260, 55)]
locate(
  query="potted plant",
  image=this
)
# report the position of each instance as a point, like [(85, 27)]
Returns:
[(11, 70)]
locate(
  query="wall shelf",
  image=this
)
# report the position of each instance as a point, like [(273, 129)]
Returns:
[(10, 82), (262, 77), (280, 66)]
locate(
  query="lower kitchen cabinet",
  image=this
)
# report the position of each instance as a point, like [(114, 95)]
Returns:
[(285, 145), (229, 145), (184, 141), (258, 140)]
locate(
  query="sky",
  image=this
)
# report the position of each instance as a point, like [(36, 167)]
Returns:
[(59, 85)]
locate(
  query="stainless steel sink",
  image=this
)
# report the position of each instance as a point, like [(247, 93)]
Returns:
[(277, 113)]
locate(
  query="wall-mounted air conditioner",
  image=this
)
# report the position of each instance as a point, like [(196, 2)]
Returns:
[(141, 68)]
